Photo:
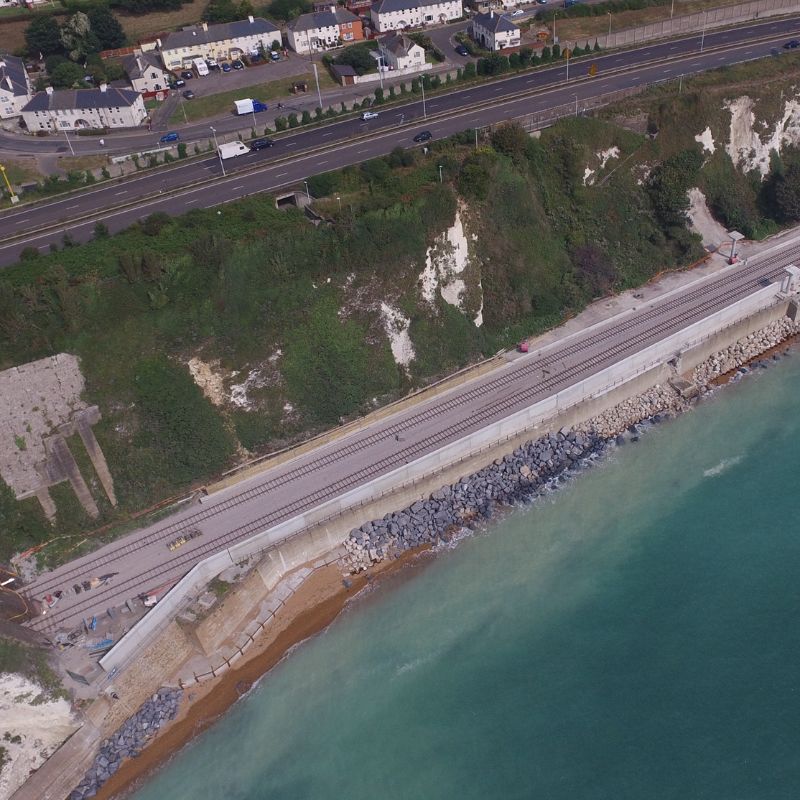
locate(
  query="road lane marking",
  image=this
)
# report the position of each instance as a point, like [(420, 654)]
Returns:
[(291, 144), (117, 194), (236, 188), (325, 161), (75, 205), (325, 135), (279, 174)]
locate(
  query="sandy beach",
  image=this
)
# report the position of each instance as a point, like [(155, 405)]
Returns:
[(311, 609)]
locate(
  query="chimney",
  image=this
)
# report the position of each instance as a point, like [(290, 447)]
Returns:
[(10, 85), (158, 42), (491, 14), (49, 90), (250, 19), (103, 87)]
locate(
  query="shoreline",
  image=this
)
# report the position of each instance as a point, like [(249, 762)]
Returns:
[(315, 605)]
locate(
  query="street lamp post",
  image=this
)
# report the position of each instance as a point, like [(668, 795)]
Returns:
[(69, 142), (609, 22), (216, 145), (422, 86), (440, 173), (555, 40), (576, 104), (14, 199), (316, 78), (568, 55), (672, 9), (308, 194), (703, 35)]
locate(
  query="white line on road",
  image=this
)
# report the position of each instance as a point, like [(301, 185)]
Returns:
[(117, 194), (236, 188), (325, 161), (279, 174), (325, 135), (74, 205), (291, 144)]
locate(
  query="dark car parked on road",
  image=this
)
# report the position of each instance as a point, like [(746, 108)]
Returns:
[(792, 44), (423, 136), (189, 94), (462, 50), (260, 144), (187, 75)]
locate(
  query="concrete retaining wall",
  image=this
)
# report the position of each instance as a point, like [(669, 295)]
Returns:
[(323, 528), (696, 23)]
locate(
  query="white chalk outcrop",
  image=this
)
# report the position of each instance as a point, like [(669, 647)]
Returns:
[(746, 147), (445, 264), (29, 731), (396, 325)]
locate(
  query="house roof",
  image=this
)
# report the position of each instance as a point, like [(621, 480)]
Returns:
[(66, 99), (398, 44), (12, 75), (388, 6), (197, 34), (136, 63), (497, 23), (343, 70), (322, 19)]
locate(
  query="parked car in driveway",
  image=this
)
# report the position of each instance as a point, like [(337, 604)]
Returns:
[(237, 65), (187, 75), (189, 94), (423, 136), (212, 64), (177, 83), (261, 144), (169, 137), (226, 67), (462, 50), (275, 55)]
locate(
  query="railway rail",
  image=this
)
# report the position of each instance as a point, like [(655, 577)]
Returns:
[(531, 378)]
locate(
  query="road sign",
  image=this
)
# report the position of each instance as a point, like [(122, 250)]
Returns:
[(592, 70)]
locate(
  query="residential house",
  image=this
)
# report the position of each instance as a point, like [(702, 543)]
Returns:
[(146, 73), (396, 15), (15, 86), (320, 30), (495, 31), (74, 109), (222, 42), (399, 52)]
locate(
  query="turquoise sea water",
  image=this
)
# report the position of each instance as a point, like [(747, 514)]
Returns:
[(634, 635)]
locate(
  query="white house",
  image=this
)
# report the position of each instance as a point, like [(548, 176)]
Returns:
[(495, 31), (145, 72), (320, 30), (228, 40), (395, 15), (73, 109), (399, 52), (15, 86)]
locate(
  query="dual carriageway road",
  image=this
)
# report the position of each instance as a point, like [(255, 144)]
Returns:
[(199, 183)]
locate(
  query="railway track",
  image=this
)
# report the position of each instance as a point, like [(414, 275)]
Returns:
[(528, 382)]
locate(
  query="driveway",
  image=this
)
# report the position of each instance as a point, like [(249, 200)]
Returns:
[(443, 39)]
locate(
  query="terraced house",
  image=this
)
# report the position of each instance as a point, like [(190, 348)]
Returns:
[(15, 86), (321, 30), (223, 42), (76, 109), (396, 15)]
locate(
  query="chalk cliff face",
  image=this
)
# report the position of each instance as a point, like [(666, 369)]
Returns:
[(32, 726)]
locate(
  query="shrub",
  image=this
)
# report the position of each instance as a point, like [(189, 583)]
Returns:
[(305, 119), (101, 230), (281, 124), (182, 150), (179, 421)]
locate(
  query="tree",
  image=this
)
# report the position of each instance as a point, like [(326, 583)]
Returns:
[(510, 139), (786, 193), (286, 10), (227, 10), (106, 27), (469, 71), (359, 57), (77, 37), (67, 75), (43, 36), (669, 185)]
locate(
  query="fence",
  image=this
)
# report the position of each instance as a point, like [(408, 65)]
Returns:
[(445, 458), (696, 23)]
